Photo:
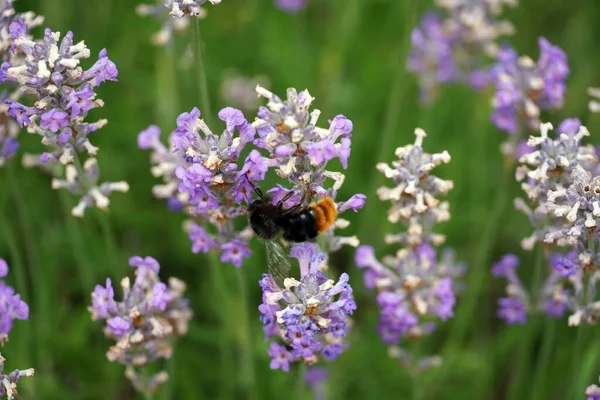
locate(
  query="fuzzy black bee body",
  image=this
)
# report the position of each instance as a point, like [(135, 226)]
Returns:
[(267, 220)]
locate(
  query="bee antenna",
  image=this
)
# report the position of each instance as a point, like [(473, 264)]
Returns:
[(257, 190)]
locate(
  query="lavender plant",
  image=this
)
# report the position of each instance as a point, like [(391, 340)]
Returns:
[(299, 151), (592, 392), (414, 287), (11, 308), (65, 93), (459, 47), (310, 317), (12, 25), (558, 178), (204, 177), (144, 323)]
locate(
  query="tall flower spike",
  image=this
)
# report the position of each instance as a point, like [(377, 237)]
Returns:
[(300, 151), (310, 317), (145, 322), (65, 94), (414, 288), (11, 308), (160, 11), (415, 195), (204, 177), (12, 25), (181, 8), (524, 87)]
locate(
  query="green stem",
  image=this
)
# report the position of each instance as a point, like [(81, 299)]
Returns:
[(201, 76), (576, 391), (247, 354), (541, 368), (300, 382), (222, 309), (520, 381)]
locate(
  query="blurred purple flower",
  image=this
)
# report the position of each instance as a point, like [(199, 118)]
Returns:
[(512, 310), (11, 305), (291, 6), (524, 88)]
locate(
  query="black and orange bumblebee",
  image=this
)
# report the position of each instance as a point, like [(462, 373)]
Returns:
[(299, 223)]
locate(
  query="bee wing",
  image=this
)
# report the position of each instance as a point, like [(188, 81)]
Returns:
[(278, 263)]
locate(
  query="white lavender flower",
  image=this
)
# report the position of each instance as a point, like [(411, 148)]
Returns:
[(414, 197), (594, 104), (160, 11), (181, 8), (144, 324), (8, 381)]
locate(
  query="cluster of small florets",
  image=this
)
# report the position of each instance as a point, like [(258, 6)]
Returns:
[(553, 298), (65, 93), (524, 87), (160, 11), (11, 308), (145, 322), (547, 171), (12, 26), (300, 151), (593, 392), (309, 316), (414, 288), (456, 48), (181, 8), (415, 193), (203, 176)]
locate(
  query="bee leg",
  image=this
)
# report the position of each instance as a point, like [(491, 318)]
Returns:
[(293, 208)]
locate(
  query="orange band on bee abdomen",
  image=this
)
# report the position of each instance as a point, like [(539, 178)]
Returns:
[(328, 209)]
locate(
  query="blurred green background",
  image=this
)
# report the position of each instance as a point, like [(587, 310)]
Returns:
[(350, 54)]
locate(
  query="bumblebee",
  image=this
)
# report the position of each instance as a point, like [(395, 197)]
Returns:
[(299, 223)]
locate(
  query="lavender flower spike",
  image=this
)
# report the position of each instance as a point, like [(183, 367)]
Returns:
[(592, 392), (180, 8), (414, 287), (145, 322), (299, 150), (311, 316)]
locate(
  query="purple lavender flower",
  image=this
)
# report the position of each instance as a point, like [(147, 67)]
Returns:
[(413, 289), (65, 93), (592, 392), (310, 316), (11, 305), (524, 88), (181, 8), (512, 310), (300, 151), (291, 6), (145, 322)]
